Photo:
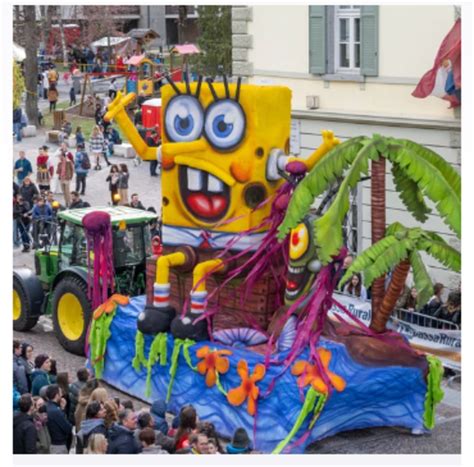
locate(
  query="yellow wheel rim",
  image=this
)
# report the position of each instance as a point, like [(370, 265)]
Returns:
[(70, 316), (16, 305)]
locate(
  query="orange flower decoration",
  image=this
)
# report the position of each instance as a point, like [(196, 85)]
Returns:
[(109, 305), (309, 374), (248, 389), (212, 363)]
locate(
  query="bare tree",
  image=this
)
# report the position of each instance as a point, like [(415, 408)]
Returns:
[(31, 63)]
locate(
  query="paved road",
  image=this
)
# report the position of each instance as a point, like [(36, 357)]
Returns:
[(445, 438)]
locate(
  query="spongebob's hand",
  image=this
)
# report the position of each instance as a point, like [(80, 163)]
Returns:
[(119, 104), (329, 141)]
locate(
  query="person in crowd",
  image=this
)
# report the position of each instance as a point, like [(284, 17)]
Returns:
[(40, 417), (53, 372), (128, 404), (435, 302), (121, 434), (153, 141), (98, 114), (112, 137), (53, 76), (410, 300), (158, 412), (93, 424), (147, 441), (65, 173), (83, 376), (212, 446), (28, 191), (112, 89), (41, 215), (63, 381), (72, 96), (84, 395), (146, 420), (187, 425), (97, 444), (135, 202), (52, 97), (16, 399), (96, 144), (22, 168), (77, 202), (66, 131), (355, 287), (20, 378), (137, 117), (98, 394), (124, 176), (113, 179), (209, 430), (44, 169), (199, 443), (17, 123), (80, 139), (451, 310), (41, 377), (59, 427), (346, 264), (240, 443), (22, 218), (111, 412), (26, 359), (24, 430), (82, 164)]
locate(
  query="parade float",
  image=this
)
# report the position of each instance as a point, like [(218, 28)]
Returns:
[(235, 318)]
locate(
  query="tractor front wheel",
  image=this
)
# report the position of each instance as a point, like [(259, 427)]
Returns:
[(22, 307), (71, 313)]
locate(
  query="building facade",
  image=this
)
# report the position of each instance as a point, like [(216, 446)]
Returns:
[(352, 69)]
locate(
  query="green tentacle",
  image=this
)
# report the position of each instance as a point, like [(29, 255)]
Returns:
[(99, 335), (139, 358), (158, 351), (434, 393)]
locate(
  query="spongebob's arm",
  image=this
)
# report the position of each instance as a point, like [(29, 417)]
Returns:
[(116, 111), (329, 141)]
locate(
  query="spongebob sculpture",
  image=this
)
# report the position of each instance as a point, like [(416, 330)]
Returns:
[(224, 150)]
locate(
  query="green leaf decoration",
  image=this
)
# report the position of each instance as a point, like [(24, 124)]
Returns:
[(158, 351), (188, 343), (309, 406), (219, 385), (421, 278), (439, 186), (434, 393), (410, 194), (328, 228), (178, 344), (99, 335), (325, 172), (139, 358), (441, 251)]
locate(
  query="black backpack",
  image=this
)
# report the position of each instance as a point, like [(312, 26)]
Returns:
[(86, 163)]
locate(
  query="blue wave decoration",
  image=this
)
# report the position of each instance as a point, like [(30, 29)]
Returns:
[(388, 396)]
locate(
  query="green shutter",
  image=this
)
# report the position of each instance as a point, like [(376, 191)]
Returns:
[(317, 39), (369, 40)]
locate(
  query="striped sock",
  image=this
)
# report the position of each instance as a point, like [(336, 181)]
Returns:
[(198, 300), (161, 295)]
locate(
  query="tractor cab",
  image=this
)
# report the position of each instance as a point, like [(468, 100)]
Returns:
[(59, 284)]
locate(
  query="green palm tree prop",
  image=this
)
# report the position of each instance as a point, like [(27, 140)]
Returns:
[(398, 250), (418, 173)]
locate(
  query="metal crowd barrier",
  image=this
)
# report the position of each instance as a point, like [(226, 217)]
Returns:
[(420, 319)]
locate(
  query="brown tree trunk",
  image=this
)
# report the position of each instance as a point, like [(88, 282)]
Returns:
[(378, 225), (397, 284), (31, 64)]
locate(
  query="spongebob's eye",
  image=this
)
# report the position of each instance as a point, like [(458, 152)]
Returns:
[(225, 124), (184, 119), (299, 241)]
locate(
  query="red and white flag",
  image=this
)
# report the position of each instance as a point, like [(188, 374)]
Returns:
[(444, 79)]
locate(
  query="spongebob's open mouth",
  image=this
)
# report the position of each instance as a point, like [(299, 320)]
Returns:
[(205, 196)]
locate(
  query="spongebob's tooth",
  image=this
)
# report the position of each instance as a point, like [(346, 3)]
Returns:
[(194, 179), (214, 185)]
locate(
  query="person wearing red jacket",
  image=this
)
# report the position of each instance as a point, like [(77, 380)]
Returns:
[(44, 169)]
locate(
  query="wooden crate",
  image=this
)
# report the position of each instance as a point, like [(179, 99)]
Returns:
[(261, 302)]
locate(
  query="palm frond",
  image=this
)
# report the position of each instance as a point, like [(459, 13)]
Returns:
[(421, 278), (319, 179), (452, 177), (444, 253), (431, 181), (328, 228), (410, 194), (368, 257)]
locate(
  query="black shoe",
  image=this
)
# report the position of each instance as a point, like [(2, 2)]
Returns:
[(153, 320), (26, 249), (184, 329)]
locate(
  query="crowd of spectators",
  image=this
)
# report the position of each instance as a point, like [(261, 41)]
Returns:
[(54, 415)]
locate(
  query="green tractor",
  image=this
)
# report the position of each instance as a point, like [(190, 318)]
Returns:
[(59, 283)]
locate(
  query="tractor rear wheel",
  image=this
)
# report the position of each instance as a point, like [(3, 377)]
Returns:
[(71, 313), (22, 319)]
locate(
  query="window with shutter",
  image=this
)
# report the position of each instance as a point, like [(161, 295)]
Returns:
[(317, 39), (369, 59)]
